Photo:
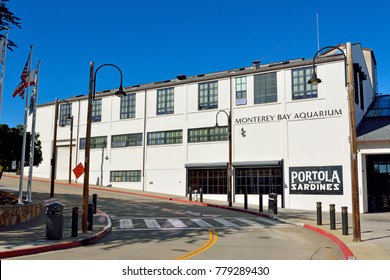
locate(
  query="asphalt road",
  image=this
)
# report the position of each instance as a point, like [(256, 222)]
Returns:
[(151, 229)]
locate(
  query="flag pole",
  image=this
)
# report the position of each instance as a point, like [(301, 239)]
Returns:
[(33, 108), (20, 199), (3, 71)]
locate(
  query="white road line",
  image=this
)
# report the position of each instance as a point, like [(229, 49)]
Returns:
[(128, 223), (177, 223), (226, 223), (248, 222), (202, 223), (268, 221), (152, 223)]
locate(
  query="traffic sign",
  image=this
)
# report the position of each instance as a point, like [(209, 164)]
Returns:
[(78, 170)]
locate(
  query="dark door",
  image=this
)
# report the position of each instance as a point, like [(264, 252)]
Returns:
[(378, 183)]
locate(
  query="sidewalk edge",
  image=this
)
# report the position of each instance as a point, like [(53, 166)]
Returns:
[(62, 245)]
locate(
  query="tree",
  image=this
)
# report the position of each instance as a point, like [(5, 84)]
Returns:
[(8, 19), (11, 140)]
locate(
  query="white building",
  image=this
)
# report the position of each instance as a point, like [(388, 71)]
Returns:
[(288, 137)]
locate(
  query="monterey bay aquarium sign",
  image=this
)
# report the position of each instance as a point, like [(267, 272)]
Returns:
[(324, 180)]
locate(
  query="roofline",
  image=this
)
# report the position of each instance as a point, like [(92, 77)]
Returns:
[(287, 64)]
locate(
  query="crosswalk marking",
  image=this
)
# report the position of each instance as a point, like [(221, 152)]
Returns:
[(165, 223), (248, 222), (267, 221), (128, 223), (202, 223), (225, 223), (152, 224), (177, 223)]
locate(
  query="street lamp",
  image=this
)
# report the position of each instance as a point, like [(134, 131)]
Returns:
[(349, 82), (91, 95), (230, 173), (69, 117), (54, 150)]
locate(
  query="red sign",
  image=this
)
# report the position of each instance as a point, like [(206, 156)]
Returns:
[(78, 170)]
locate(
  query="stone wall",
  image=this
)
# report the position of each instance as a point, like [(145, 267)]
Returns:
[(15, 214)]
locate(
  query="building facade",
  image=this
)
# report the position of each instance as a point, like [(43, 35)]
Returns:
[(287, 136)]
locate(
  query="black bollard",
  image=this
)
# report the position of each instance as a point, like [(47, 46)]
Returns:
[(332, 216), (94, 201), (344, 219), (246, 200), (260, 202), (201, 194), (190, 194), (90, 217), (319, 213), (75, 221)]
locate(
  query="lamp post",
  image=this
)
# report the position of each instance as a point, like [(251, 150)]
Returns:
[(230, 171), (349, 82), (91, 96), (69, 117), (54, 150)]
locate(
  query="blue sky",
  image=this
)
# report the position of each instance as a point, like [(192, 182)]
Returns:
[(153, 40)]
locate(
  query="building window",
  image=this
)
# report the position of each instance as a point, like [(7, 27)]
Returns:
[(241, 91), (212, 181), (301, 89), (165, 137), (165, 101), (126, 140), (96, 110), (208, 96), (95, 143), (125, 176), (265, 88), (65, 114), (128, 106), (208, 134), (263, 180)]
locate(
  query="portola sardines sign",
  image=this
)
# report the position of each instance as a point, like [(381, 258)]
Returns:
[(324, 180)]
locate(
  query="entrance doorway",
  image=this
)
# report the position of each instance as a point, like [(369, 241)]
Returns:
[(378, 183)]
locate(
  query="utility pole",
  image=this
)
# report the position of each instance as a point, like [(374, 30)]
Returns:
[(353, 148)]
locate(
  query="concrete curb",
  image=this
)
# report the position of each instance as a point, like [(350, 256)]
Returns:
[(62, 245)]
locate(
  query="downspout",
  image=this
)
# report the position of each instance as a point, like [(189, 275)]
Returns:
[(144, 144)]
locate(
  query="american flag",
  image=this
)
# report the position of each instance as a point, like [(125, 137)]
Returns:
[(26, 80)]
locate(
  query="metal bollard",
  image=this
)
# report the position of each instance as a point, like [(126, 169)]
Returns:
[(246, 200), (332, 216), (90, 217), (344, 219), (75, 221), (201, 194), (260, 202), (319, 213), (190, 194), (94, 201)]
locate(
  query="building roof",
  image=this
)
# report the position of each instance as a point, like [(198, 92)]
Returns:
[(375, 126)]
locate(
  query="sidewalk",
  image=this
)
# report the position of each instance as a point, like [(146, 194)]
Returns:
[(29, 238)]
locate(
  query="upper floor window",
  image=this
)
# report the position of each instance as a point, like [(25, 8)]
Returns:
[(165, 137), (126, 140), (301, 89), (96, 110), (208, 134), (95, 142), (128, 106), (240, 90), (208, 95), (65, 114), (165, 101), (265, 88)]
